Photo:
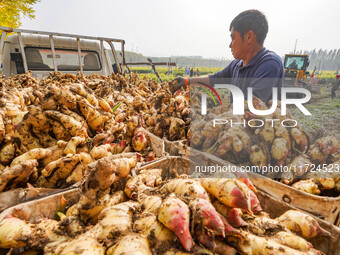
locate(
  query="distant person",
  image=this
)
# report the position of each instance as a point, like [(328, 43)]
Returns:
[(191, 72), (198, 72), (187, 71), (314, 80), (293, 65), (335, 86)]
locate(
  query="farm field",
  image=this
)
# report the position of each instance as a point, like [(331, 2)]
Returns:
[(176, 71), (325, 119), (324, 77)]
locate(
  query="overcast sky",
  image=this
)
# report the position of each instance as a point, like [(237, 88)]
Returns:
[(191, 27)]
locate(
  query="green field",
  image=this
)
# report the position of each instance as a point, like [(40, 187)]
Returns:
[(164, 72), (324, 77)]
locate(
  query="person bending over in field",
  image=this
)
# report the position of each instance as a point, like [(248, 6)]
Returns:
[(254, 66), (336, 86)]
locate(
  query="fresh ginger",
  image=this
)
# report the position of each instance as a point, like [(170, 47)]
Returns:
[(38, 153), (148, 225), (94, 118), (106, 201), (18, 174), (187, 187), (308, 186), (86, 245), (114, 220), (205, 215), (230, 192), (7, 153), (85, 92), (58, 170), (72, 125), (101, 175), (14, 233), (73, 143), (129, 245), (175, 215), (251, 244), (302, 224), (233, 215), (293, 241)]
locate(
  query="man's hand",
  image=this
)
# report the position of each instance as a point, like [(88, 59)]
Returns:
[(181, 82)]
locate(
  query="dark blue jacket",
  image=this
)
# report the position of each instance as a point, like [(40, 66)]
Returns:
[(263, 72)]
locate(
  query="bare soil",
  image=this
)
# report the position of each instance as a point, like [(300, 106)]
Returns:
[(325, 118)]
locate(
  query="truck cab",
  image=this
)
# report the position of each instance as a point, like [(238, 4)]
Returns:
[(44, 52)]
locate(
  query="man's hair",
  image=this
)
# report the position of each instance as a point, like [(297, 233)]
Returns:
[(251, 20)]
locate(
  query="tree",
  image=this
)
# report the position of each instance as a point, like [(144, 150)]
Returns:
[(11, 11)]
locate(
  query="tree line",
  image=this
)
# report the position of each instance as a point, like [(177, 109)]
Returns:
[(323, 60), (181, 61)]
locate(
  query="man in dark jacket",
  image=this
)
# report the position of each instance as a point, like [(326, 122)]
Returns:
[(254, 66)]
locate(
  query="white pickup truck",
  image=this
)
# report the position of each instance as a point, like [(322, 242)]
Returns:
[(43, 52)]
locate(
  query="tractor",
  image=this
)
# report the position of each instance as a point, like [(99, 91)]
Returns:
[(296, 74)]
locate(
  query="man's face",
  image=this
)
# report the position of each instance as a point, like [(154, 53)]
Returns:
[(238, 46)]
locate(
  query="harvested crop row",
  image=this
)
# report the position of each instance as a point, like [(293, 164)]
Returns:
[(154, 216), (66, 121)]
